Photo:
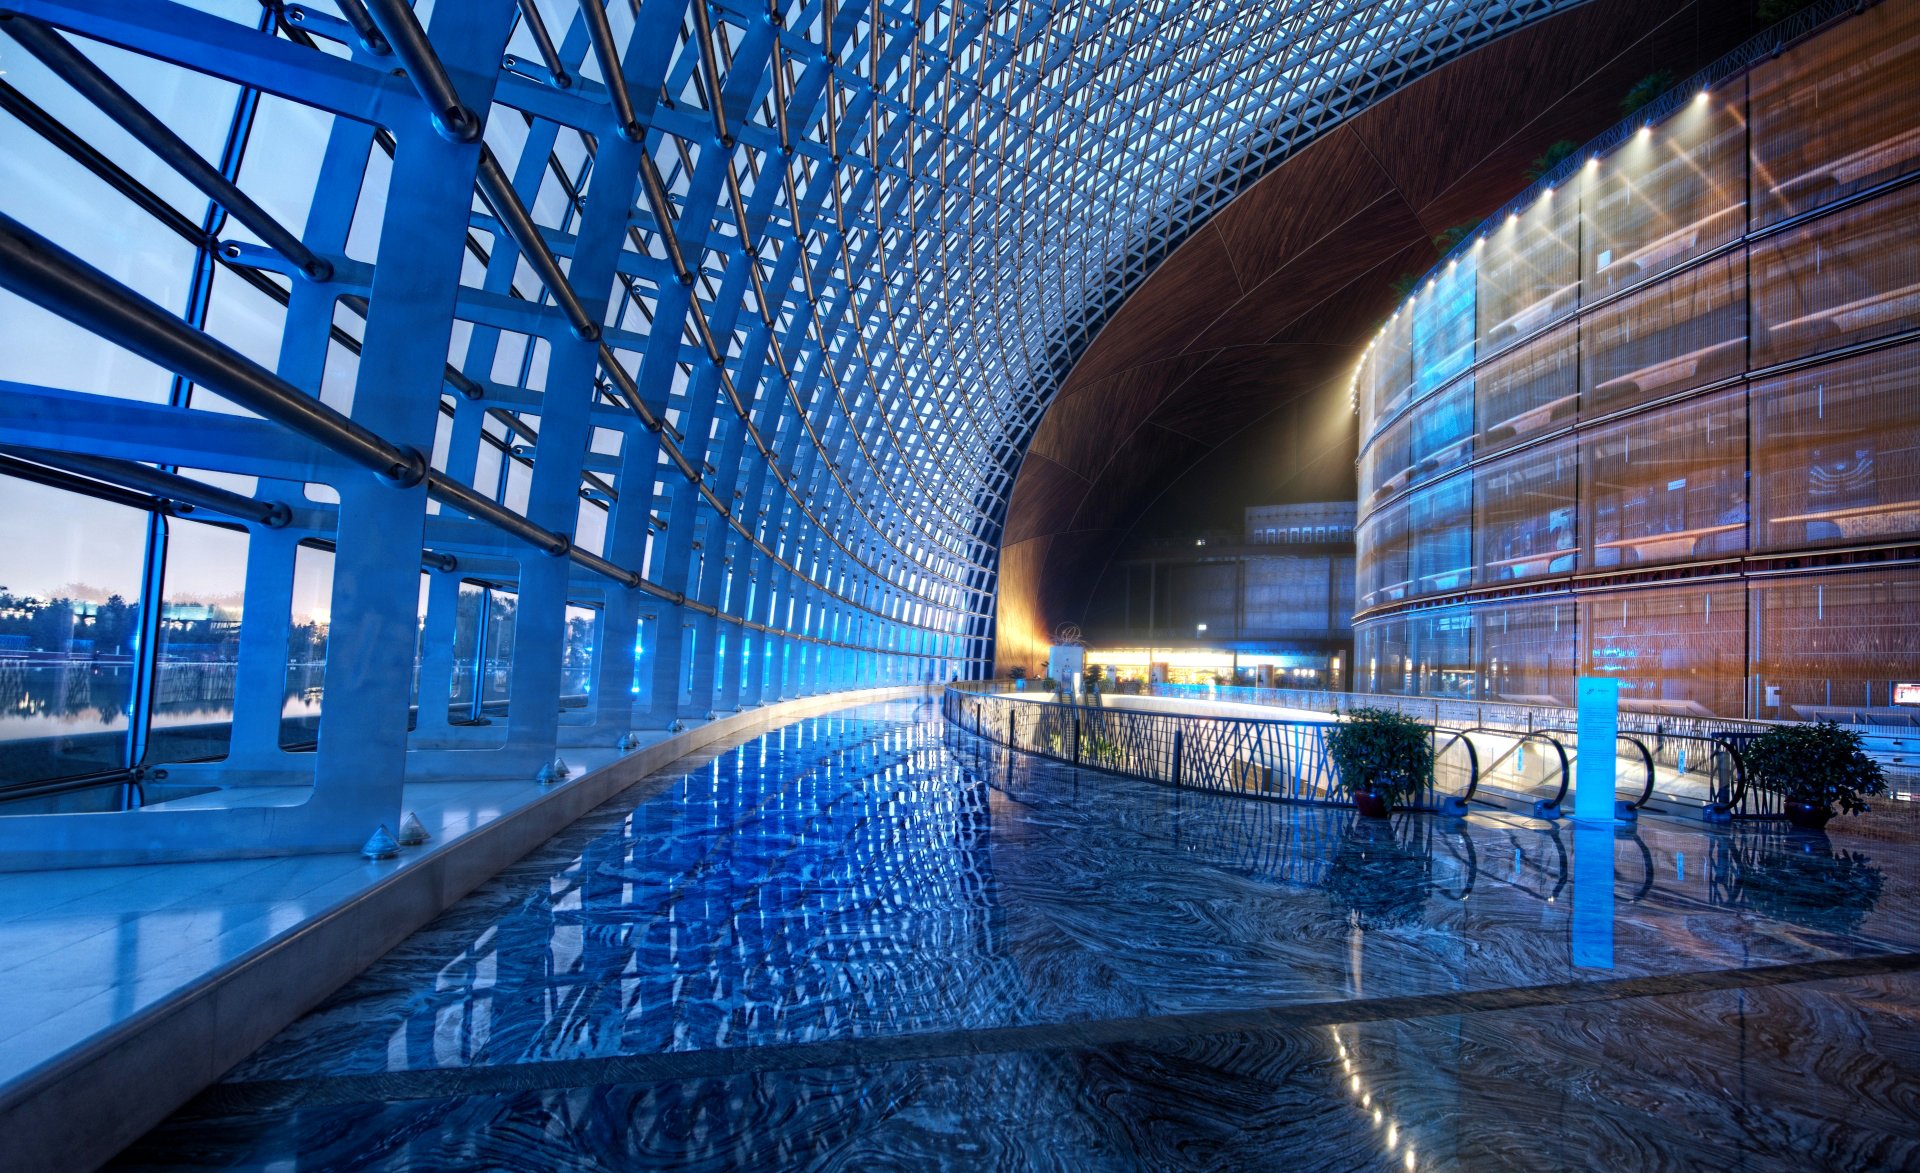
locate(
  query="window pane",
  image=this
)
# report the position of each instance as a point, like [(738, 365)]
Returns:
[(1687, 331), (1837, 114), (204, 595), (1830, 647), (307, 647), (70, 571), (1667, 486), (1836, 453), (1524, 513), (1667, 196), (1850, 276), (1679, 651)]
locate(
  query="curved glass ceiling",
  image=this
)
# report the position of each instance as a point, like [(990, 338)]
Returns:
[(752, 308)]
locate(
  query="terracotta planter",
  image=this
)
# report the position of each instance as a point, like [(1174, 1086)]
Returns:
[(1808, 816), (1371, 803)]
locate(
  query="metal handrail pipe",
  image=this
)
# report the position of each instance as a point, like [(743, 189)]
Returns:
[(446, 490), (165, 485), (409, 41), (661, 206), (93, 84), (599, 565), (48, 275), (543, 41), (370, 34), (54, 478), (498, 191), (608, 54), (710, 63)]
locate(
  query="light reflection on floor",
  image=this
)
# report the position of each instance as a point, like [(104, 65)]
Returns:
[(864, 941)]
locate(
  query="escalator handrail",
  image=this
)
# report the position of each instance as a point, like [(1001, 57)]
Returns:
[(1543, 735), (1646, 757), (1473, 757)]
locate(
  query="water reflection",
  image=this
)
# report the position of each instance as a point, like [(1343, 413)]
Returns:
[(1799, 877)]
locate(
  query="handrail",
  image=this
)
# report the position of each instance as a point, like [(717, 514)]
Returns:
[(1646, 792), (1457, 804), (1274, 759), (1543, 808)]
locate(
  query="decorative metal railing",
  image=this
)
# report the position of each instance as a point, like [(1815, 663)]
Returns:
[(1273, 759), (1688, 761)]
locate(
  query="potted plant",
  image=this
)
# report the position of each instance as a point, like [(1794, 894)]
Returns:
[(1381, 758), (1812, 767)]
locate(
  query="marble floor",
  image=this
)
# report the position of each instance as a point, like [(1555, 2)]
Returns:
[(866, 941)]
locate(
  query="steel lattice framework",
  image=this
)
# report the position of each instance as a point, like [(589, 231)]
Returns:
[(776, 292)]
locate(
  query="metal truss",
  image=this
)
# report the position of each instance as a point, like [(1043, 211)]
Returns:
[(777, 291)]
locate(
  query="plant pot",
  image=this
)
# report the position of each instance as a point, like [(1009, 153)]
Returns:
[(1371, 803), (1808, 816)]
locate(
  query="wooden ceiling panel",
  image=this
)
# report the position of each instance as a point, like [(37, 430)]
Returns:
[(1270, 224)]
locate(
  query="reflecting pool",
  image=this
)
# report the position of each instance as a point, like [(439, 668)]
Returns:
[(868, 941)]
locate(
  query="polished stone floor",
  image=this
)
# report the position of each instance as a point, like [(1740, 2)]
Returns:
[(864, 941)]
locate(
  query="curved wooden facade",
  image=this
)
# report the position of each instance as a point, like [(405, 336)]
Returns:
[(1264, 310)]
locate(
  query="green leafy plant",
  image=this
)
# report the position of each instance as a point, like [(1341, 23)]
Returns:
[(1016, 672), (1552, 157), (1646, 90), (1382, 751), (1444, 242), (1820, 764), (1769, 12), (1101, 749)]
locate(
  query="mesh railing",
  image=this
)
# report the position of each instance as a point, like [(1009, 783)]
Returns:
[(1273, 759)]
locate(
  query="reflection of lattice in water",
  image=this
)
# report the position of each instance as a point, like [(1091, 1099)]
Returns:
[(195, 681), (791, 888)]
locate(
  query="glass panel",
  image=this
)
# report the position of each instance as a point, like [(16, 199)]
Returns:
[(1439, 544), (1443, 326), (1666, 195), (1529, 272), (1847, 277), (1836, 453), (70, 571), (1836, 114), (1393, 366), (1443, 432), (1668, 485), (1381, 571), (496, 651), (204, 595), (576, 662), (1530, 652), (469, 618), (307, 647), (1687, 331), (1524, 513), (1532, 389), (1831, 647), (1678, 651), (1384, 664), (1440, 645), (1387, 464)]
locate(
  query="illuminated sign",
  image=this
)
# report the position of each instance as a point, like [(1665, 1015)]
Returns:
[(1906, 694)]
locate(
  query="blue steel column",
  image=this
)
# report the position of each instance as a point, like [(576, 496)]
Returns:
[(363, 727)]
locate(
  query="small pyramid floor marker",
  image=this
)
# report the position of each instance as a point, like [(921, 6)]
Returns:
[(412, 832), (381, 845)]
